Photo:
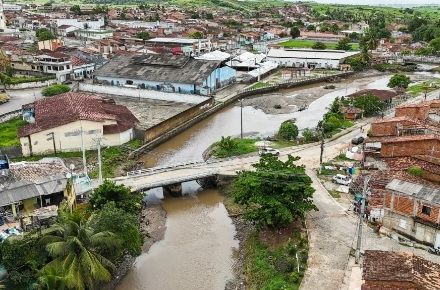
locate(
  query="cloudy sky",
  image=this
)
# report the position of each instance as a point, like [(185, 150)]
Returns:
[(382, 2)]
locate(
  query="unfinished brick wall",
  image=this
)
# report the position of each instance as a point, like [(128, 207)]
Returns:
[(429, 147), (404, 205), (414, 112), (432, 217), (391, 285)]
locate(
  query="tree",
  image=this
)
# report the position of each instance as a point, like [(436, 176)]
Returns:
[(44, 34), (196, 35), (371, 104), (294, 32), (120, 194), (344, 44), (311, 27), (276, 193), (310, 135), (435, 45), (288, 130), (76, 9), (400, 81), (76, 252), (55, 89), (319, 45), (123, 224), (143, 35)]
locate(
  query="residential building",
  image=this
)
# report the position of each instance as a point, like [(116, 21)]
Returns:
[(93, 34), (185, 46), (66, 30), (352, 113), (51, 44), (413, 210), (85, 118), (2, 17), (169, 73), (81, 24), (398, 271), (385, 96), (54, 63), (309, 58)]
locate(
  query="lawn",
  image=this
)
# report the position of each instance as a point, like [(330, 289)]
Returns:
[(229, 147), (259, 85), (421, 88), (8, 132), (304, 43)]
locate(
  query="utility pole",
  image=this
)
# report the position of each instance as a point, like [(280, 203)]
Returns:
[(241, 118), (98, 141), (322, 145), (83, 149), (361, 222), (53, 141)]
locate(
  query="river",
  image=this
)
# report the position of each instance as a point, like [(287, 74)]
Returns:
[(197, 250)]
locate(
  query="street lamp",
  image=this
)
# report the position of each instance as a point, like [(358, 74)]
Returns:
[(241, 118)]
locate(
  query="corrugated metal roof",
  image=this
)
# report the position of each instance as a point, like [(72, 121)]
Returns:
[(416, 190), (310, 54)]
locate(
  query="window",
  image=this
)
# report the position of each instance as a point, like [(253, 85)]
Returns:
[(68, 66), (426, 210), (402, 224)]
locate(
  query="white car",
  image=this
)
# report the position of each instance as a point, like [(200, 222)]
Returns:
[(341, 179), (269, 150)]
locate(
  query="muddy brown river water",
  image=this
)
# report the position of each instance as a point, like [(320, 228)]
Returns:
[(197, 250)]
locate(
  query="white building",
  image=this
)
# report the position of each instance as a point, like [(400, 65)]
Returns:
[(309, 58), (71, 121), (93, 34), (92, 24)]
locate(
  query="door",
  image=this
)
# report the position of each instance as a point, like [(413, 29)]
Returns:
[(437, 241)]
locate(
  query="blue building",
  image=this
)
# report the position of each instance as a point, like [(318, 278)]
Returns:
[(170, 73)]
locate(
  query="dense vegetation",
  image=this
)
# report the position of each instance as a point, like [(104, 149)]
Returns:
[(81, 250), (55, 89)]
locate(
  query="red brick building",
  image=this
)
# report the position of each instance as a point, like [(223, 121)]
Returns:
[(413, 210), (411, 145), (398, 271)]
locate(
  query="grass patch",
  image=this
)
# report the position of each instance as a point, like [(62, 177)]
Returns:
[(423, 87), (275, 267), (228, 147), (304, 43), (259, 85), (334, 194), (342, 157), (8, 132)]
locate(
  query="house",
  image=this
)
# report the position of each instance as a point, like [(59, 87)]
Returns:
[(412, 210), (166, 73), (72, 121), (57, 63), (398, 271), (309, 58), (66, 30), (186, 46), (30, 185), (51, 44), (322, 37), (352, 113), (385, 96), (93, 34), (81, 24), (410, 145)]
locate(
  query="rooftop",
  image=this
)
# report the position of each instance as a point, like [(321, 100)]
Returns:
[(78, 106), (390, 267), (416, 190), (383, 95), (173, 40), (161, 68)]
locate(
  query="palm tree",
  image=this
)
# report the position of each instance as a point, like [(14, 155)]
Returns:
[(78, 263)]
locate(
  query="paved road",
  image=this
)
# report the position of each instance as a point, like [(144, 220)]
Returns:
[(19, 98)]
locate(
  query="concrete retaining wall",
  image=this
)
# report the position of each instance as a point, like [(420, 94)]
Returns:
[(10, 115), (217, 107), (31, 85)]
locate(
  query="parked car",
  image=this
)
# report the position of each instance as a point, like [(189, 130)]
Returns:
[(357, 140), (341, 179), (269, 150)]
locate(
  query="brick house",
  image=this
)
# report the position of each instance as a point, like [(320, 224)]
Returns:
[(351, 113), (411, 145), (420, 111), (398, 271), (412, 210)]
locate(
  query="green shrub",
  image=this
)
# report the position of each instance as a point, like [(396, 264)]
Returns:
[(55, 90), (415, 170), (228, 147), (288, 130)]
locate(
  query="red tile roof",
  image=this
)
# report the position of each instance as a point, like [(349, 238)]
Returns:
[(383, 95), (410, 138), (388, 267), (70, 107)]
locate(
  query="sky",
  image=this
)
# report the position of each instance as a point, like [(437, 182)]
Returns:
[(382, 2)]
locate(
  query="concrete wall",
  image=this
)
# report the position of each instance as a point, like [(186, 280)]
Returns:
[(414, 112), (301, 62), (429, 147), (143, 93), (68, 138), (381, 129), (220, 77), (32, 85), (169, 124)]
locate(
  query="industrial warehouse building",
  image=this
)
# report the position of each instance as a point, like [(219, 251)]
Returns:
[(169, 73), (309, 58)]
